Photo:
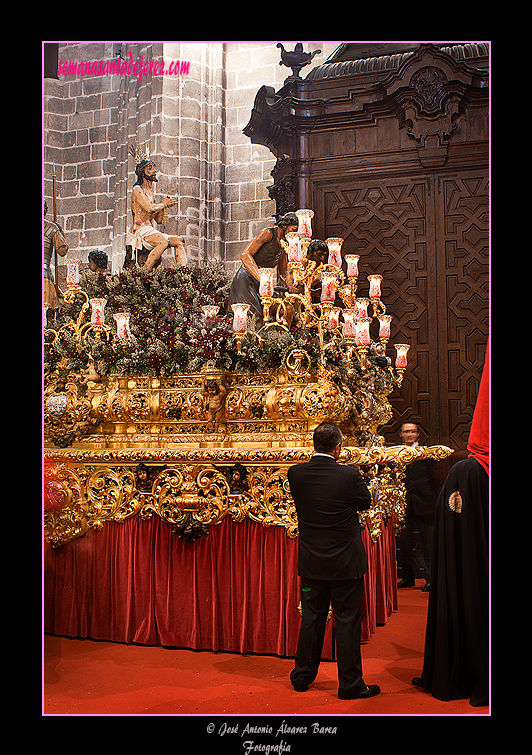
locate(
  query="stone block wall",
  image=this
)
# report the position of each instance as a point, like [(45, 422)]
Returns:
[(80, 122), (248, 208), (193, 121)]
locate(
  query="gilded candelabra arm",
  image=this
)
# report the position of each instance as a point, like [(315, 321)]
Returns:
[(361, 352), (379, 308), (74, 325), (302, 303), (70, 296), (267, 302), (280, 320), (398, 375), (347, 297)]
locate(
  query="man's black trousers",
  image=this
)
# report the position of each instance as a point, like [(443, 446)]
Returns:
[(345, 597)]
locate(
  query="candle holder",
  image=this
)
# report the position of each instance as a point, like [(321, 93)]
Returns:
[(210, 310), (384, 328), (305, 223), (371, 379), (335, 254), (348, 335), (400, 360), (346, 294), (240, 319), (73, 274), (295, 249), (334, 318), (96, 327), (352, 274), (352, 265), (362, 339), (98, 311), (122, 325), (375, 294), (74, 292)]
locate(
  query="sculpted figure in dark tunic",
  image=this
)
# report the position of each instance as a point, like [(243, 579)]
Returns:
[(264, 250), (53, 240)]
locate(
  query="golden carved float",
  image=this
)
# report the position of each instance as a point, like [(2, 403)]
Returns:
[(189, 428)]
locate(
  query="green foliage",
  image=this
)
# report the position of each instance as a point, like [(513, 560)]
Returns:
[(170, 334)]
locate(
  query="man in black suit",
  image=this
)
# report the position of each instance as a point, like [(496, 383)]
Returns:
[(331, 562), (420, 509)]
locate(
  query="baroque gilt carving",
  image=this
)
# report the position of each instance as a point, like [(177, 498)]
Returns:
[(189, 489)]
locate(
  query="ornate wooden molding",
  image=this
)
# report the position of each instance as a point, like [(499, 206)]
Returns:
[(432, 91), (429, 92)]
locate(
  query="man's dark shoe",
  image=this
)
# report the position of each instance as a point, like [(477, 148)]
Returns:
[(406, 583), (370, 691), (426, 587)]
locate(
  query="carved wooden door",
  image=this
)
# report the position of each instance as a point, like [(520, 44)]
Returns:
[(427, 236)]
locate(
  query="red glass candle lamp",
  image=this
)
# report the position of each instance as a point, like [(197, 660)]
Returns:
[(362, 337), (72, 273), (361, 306), (335, 253), (329, 282), (210, 310), (349, 328), (334, 318), (98, 311), (352, 265), (375, 286), (122, 325), (295, 250), (305, 223), (240, 313), (266, 282), (384, 327), (400, 360)]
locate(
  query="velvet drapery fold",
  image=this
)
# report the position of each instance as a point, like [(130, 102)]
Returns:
[(235, 590)]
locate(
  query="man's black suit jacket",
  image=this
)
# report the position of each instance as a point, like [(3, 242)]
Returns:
[(420, 493), (328, 497)]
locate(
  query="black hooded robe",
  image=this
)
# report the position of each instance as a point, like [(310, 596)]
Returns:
[(456, 664)]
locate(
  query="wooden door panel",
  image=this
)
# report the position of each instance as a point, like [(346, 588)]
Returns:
[(428, 237), (463, 278)]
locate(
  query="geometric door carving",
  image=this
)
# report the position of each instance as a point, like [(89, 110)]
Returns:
[(463, 261), (427, 236)]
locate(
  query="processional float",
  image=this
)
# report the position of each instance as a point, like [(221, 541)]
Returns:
[(100, 428)]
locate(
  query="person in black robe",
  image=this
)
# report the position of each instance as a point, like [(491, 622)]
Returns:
[(456, 658), (264, 250)]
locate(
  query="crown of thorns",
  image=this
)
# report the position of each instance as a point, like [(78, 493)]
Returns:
[(138, 152)]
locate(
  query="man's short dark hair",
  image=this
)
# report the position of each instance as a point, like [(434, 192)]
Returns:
[(289, 219), (326, 437), (100, 259)]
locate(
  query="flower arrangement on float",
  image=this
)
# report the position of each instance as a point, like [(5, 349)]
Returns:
[(166, 321)]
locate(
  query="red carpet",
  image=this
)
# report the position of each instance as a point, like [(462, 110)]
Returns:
[(85, 677)]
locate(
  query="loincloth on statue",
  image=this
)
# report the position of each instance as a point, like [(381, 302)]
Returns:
[(138, 240)]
